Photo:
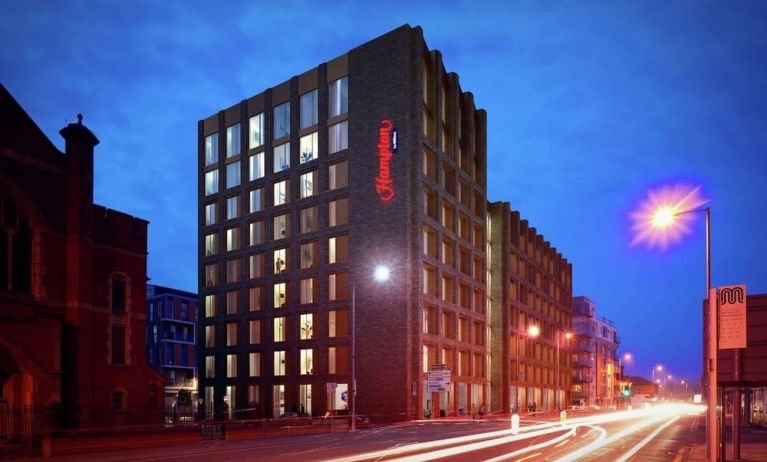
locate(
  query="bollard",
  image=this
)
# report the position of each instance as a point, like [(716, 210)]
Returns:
[(563, 416), (515, 423)]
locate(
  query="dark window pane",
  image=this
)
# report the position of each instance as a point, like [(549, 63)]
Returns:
[(118, 296), (118, 345), (21, 266)]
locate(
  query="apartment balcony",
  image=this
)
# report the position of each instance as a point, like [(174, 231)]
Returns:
[(583, 378), (582, 364), (178, 338)]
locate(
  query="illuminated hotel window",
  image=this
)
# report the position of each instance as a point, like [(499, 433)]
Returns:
[(211, 149), (463, 330), (231, 366), (255, 265), (232, 239), (231, 334), (254, 334), (256, 131), (308, 255), (338, 360), (281, 157), (429, 322), (210, 336), (280, 261), (338, 175), (464, 297), (338, 323), (255, 298), (308, 146), (308, 184), (338, 212), (448, 216), (232, 301), (282, 120), (338, 137), (448, 324), (448, 289), (280, 295), (256, 232), (210, 306), (210, 367), (232, 140), (429, 280), (233, 174), (448, 252), (281, 192), (430, 164), (338, 97), (338, 286), (478, 238), (305, 397), (307, 289), (465, 261), (211, 244), (306, 362), (233, 270), (254, 361), (211, 182), (309, 109), (281, 226), (338, 249), (464, 229), (280, 329), (256, 166), (306, 326), (232, 207), (256, 200), (210, 214), (279, 364), (278, 400), (308, 219), (430, 203), (211, 275), (429, 242)]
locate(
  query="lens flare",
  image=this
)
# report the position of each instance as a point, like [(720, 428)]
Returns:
[(661, 220)]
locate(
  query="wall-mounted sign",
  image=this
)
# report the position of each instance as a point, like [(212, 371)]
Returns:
[(387, 145), (732, 317)]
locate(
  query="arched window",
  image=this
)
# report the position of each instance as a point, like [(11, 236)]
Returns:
[(15, 248)]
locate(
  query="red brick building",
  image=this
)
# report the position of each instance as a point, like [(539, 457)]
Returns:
[(72, 290)]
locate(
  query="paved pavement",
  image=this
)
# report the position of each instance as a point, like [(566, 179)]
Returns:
[(753, 446)]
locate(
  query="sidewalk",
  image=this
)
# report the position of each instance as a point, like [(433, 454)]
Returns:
[(753, 447)]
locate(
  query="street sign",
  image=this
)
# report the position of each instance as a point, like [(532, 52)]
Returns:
[(732, 317), (438, 379)]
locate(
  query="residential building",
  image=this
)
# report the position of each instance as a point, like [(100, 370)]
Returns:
[(171, 332), (596, 374), (72, 290), (639, 386), (530, 285)]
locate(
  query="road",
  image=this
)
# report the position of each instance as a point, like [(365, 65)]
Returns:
[(656, 434)]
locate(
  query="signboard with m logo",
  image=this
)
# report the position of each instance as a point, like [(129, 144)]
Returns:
[(732, 317)]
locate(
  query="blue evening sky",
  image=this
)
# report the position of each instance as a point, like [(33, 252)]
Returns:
[(589, 104)]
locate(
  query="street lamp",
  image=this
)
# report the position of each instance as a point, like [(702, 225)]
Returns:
[(658, 368), (533, 332), (568, 336), (380, 274)]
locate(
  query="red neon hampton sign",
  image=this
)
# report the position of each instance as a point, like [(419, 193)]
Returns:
[(387, 145)]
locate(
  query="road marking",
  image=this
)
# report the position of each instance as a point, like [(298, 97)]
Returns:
[(647, 439), (562, 443), (530, 456)]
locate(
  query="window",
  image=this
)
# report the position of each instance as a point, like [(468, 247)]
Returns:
[(429, 280), (210, 214), (118, 345), (232, 207), (211, 275), (306, 326), (211, 244), (279, 363), (306, 365), (118, 400), (233, 270), (256, 265), (309, 109), (429, 242), (448, 252), (280, 261), (338, 137), (210, 336), (448, 324), (281, 157), (232, 239), (211, 149), (118, 295), (429, 322), (338, 249), (255, 298), (281, 192), (308, 219), (448, 216), (338, 286), (280, 329), (278, 400), (256, 131), (307, 255), (338, 212), (232, 301), (254, 334), (231, 366), (210, 367), (256, 166), (211, 182), (280, 295), (338, 97), (338, 323), (338, 360), (256, 200), (231, 334), (305, 398), (448, 288), (338, 175), (282, 120), (281, 228), (254, 362), (308, 182), (232, 140), (210, 306), (308, 146), (307, 289), (430, 164), (233, 174), (256, 232)]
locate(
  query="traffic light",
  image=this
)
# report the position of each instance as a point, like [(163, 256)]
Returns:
[(626, 392)]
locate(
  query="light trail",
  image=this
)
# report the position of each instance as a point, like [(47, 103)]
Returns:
[(534, 447), (647, 439)]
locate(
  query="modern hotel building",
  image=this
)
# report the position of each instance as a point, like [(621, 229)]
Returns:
[(374, 159)]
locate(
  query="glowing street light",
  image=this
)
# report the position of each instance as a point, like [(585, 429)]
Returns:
[(381, 273), (628, 357), (663, 218)]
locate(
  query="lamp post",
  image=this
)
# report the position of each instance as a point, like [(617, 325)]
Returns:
[(533, 331), (658, 368), (568, 336), (380, 274)]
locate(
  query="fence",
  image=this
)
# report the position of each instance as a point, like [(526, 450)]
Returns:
[(20, 430)]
